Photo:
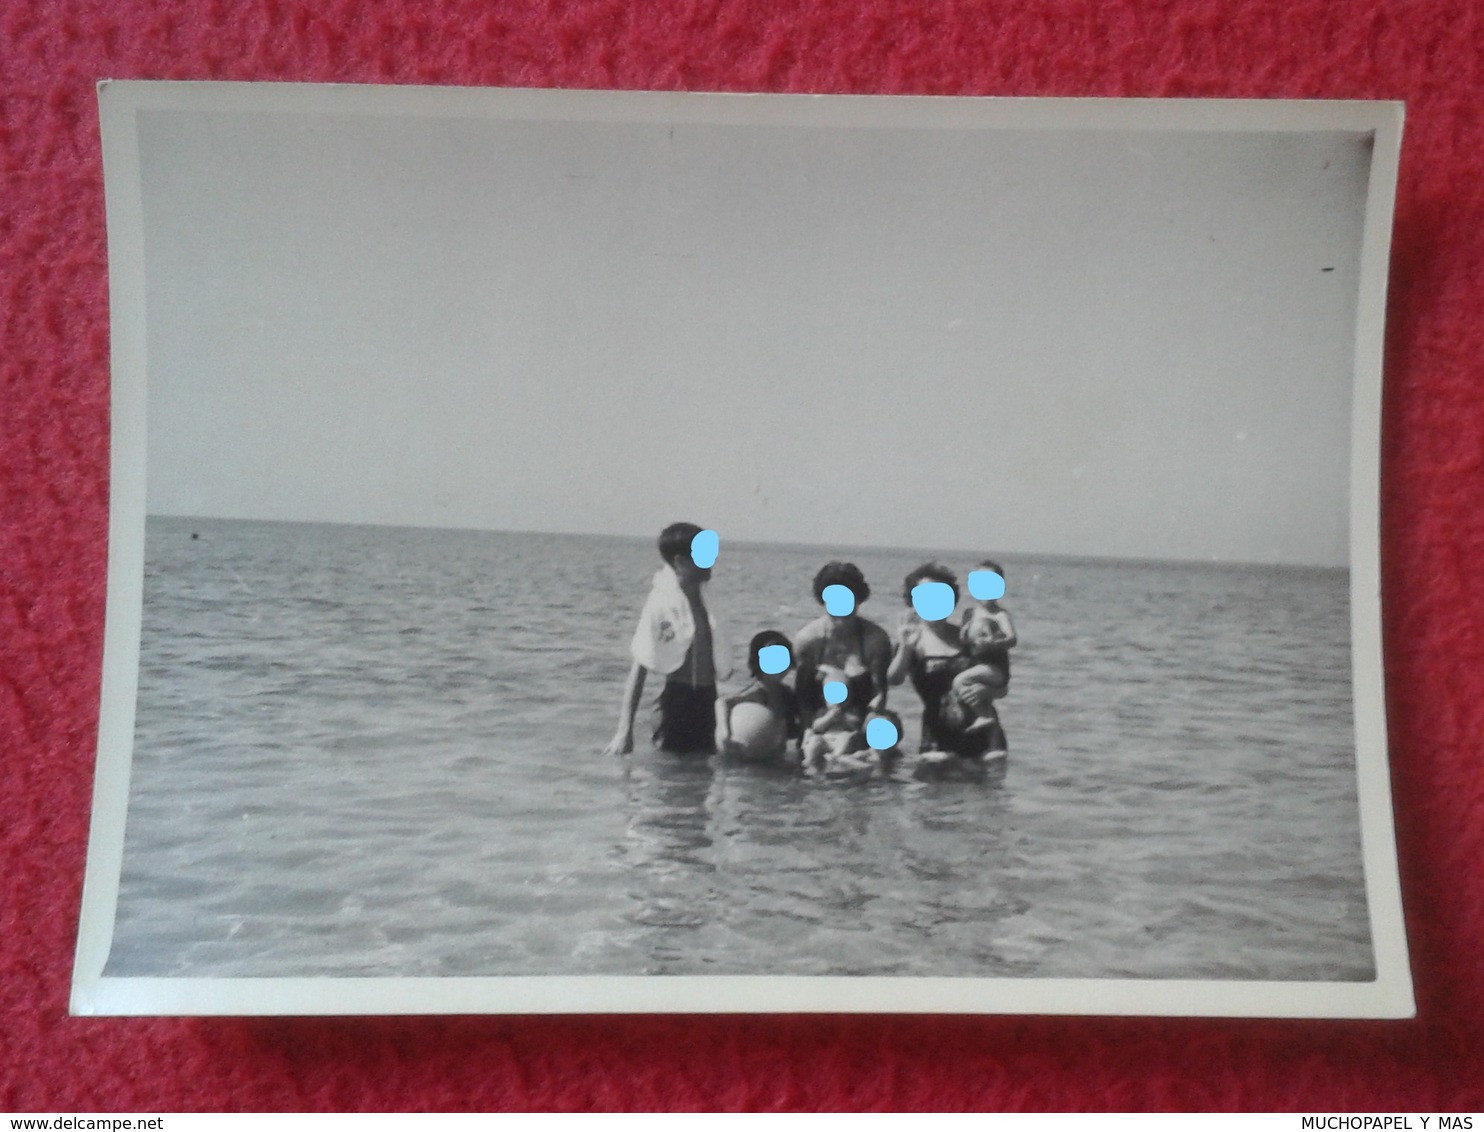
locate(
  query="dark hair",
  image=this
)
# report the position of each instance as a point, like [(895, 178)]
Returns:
[(887, 713), (763, 640), (929, 572), (675, 540), (991, 564), (896, 721), (846, 574)]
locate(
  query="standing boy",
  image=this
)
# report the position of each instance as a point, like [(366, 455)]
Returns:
[(679, 639)]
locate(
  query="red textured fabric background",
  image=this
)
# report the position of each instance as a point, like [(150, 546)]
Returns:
[(53, 522)]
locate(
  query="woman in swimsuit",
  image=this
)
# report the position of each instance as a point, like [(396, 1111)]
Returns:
[(840, 648), (931, 654)]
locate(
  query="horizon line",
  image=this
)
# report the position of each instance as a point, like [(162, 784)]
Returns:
[(1010, 554)]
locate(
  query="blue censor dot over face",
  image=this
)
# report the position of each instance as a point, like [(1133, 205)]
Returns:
[(773, 659), (933, 600), (839, 601), (703, 549), (835, 691), (881, 734), (986, 585)]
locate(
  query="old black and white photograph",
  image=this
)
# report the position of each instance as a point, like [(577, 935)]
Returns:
[(592, 551)]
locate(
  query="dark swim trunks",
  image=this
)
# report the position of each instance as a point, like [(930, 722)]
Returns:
[(686, 722)]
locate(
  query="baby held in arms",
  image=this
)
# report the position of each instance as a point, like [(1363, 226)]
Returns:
[(988, 635)]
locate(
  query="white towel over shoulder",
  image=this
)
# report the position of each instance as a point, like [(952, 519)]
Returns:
[(666, 629)]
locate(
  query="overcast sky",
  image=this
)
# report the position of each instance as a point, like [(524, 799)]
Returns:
[(1113, 343)]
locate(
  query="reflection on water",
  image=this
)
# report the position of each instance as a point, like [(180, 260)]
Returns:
[(359, 752), (734, 863)]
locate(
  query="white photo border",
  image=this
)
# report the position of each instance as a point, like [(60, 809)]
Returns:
[(1388, 995)]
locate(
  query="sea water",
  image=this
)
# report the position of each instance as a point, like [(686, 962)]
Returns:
[(377, 751)]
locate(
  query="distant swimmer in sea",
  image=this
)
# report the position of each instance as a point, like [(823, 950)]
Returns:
[(758, 721), (843, 660), (678, 638), (932, 654)]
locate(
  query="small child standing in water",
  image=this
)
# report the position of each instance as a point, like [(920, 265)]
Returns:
[(988, 635)]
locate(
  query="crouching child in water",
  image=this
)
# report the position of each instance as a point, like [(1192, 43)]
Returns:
[(836, 730), (838, 741), (988, 635), (758, 721), (678, 638), (872, 750)]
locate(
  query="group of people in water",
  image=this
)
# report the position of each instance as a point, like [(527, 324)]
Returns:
[(821, 697)]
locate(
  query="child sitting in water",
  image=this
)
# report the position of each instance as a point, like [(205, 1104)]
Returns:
[(838, 741), (848, 753), (988, 635), (766, 738), (837, 730)]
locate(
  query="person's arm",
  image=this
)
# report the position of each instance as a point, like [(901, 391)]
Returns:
[(724, 706), (794, 725), (805, 693), (1006, 627), (827, 719), (633, 691), (879, 662), (977, 631), (974, 694), (906, 652)]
